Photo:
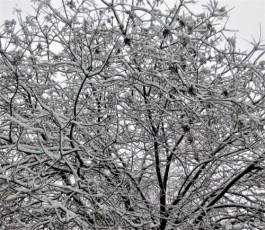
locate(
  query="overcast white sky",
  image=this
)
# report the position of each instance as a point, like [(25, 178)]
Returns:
[(248, 16)]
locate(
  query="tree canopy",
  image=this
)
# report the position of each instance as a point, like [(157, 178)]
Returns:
[(130, 114)]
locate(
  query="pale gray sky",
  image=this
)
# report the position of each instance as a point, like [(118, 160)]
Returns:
[(248, 16)]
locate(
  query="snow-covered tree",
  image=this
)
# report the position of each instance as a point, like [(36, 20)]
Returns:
[(130, 114)]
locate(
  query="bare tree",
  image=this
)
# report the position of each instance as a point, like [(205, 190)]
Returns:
[(130, 114)]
